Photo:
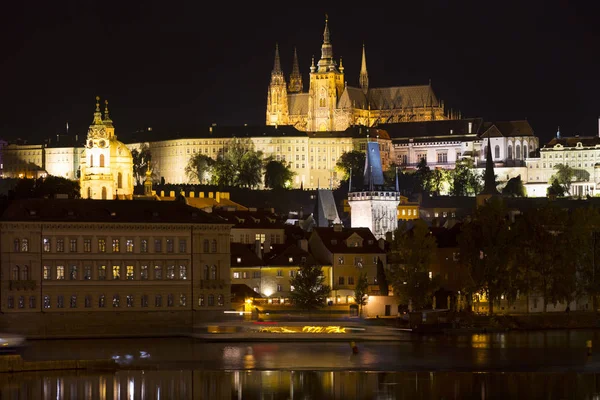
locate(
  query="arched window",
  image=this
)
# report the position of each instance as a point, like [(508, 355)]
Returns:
[(103, 193), (15, 273), (211, 300), (120, 180), (213, 246), (89, 196), (509, 155), (213, 272), (205, 273), (322, 95), (205, 245), (25, 273), (91, 160), (525, 153), (101, 160), (497, 152), (220, 300), (518, 151)]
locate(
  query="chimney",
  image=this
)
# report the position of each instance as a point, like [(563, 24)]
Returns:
[(303, 244), (470, 127), (381, 241), (258, 249)]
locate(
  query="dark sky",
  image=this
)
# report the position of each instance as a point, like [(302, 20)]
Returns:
[(180, 66)]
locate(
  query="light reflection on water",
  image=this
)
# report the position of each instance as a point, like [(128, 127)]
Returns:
[(289, 385)]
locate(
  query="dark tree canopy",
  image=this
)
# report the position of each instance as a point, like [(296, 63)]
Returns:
[(310, 291)]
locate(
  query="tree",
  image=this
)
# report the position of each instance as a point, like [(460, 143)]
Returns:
[(199, 168), (485, 244), (464, 180), (141, 158), (514, 187), (412, 252), (240, 165), (361, 291), (352, 161), (278, 174), (382, 281), (50, 186), (438, 178), (563, 177), (423, 177), (310, 291), (555, 189)]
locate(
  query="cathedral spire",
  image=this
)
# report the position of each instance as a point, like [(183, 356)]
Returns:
[(397, 186), (98, 113), (364, 76), (277, 64), (326, 62), (489, 186), (295, 77)]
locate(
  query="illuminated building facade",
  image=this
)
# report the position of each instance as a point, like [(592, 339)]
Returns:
[(331, 105), (87, 266), (349, 251), (106, 164)]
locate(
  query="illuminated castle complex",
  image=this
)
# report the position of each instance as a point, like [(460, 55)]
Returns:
[(331, 105)]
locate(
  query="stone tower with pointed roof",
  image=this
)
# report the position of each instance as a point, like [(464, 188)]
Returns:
[(372, 205), (332, 105), (277, 98), (106, 164)]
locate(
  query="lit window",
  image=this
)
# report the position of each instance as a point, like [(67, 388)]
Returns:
[(102, 272), (291, 259), (116, 272), (144, 246), (182, 272), (116, 245), (60, 272), (171, 272), (170, 246), (46, 301), (60, 245), (130, 302), (144, 272), (25, 245), (46, 244), (87, 272), (130, 272), (220, 300), (116, 300), (102, 245), (182, 300), (279, 288), (236, 275), (73, 245), (239, 260), (129, 245), (201, 300), (157, 272), (73, 272), (47, 272)]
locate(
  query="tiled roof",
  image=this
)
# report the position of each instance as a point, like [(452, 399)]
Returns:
[(586, 141), (206, 202), (246, 255), (428, 129), (353, 98), (402, 97), (510, 128), (298, 103), (250, 219), (281, 255), (335, 241), (85, 210), (253, 131), (356, 132)]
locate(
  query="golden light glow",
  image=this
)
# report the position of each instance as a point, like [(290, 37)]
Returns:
[(303, 329)]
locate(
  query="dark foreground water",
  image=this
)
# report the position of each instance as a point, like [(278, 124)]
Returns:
[(535, 365)]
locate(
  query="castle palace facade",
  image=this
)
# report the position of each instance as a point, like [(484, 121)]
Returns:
[(331, 105)]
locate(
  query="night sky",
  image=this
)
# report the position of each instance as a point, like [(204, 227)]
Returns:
[(180, 66)]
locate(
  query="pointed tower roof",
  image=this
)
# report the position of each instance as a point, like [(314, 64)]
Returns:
[(277, 64), (107, 121), (397, 185), (364, 76), (326, 62), (373, 170), (295, 77), (97, 113), (489, 177)]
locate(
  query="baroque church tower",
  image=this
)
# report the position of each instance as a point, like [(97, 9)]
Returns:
[(326, 86), (107, 164), (277, 99)]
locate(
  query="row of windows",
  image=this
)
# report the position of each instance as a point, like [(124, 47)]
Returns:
[(22, 245), (256, 274)]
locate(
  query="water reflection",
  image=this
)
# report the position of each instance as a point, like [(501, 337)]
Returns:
[(289, 385)]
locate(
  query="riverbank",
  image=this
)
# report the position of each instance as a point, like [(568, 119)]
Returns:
[(15, 363)]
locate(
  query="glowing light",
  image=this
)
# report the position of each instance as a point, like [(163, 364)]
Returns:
[(248, 301), (268, 292)]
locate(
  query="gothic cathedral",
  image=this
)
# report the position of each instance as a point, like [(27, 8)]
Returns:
[(332, 105), (106, 164)]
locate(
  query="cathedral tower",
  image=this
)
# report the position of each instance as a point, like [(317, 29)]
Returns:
[(277, 100), (326, 86), (107, 164), (295, 77), (364, 76)]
